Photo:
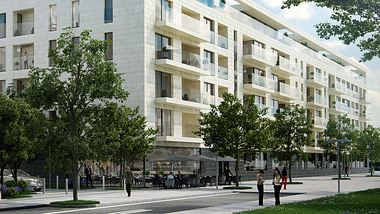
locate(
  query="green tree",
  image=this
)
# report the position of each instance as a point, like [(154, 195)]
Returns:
[(355, 20), (340, 128), (136, 139), (79, 88), (21, 130), (233, 129), (368, 144), (292, 129)]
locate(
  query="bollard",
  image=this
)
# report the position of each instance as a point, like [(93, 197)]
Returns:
[(125, 184), (78, 182), (57, 181), (104, 183), (43, 190), (67, 185)]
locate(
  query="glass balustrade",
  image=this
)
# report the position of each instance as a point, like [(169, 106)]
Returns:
[(190, 94), (24, 28), (222, 72), (208, 99), (20, 64), (222, 41)]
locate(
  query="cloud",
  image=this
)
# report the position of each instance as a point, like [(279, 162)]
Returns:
[(336, 44), (303, 12), (374, 108), (272, 3)]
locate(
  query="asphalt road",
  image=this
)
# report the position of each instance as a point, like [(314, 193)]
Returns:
[(152, 207)]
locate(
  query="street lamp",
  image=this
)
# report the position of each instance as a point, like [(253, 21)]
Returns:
[(338, 142)]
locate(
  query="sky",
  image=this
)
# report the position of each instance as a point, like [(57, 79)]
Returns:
[(304, 17)]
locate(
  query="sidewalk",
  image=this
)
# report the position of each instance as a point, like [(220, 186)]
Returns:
[(312, 187)]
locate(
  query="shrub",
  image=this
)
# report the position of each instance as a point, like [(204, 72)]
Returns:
[(4, 188), (11, 193), (147, 172), (23, 185), (10, 184), (17, 188)]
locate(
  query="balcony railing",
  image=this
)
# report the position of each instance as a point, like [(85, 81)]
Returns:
[(287, 89), (2, 30), (19, 64), (223, 72), (190, 94), (255, 50), (212, 37), (222, 41), (318, 77), (259, 81), (191, 59), (284, 62), (24, 28), (208, 99), (319, 121)]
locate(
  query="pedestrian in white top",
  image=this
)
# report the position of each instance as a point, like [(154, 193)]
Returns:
[(26, 58)]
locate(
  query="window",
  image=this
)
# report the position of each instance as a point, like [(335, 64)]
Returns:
[(163, 122), (163, 84), (53, 17), (109, 52), (259, 100), (208, 62), (3, 25), (210, 89), (2, 59), (52, 46), (75, 14), (2, 86), (163, 10), (108, 11), (162, 47), (211, 28)]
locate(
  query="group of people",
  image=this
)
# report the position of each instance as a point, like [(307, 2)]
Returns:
[(279, 179)]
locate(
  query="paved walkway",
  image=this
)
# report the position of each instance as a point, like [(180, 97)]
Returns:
[(312, 187)]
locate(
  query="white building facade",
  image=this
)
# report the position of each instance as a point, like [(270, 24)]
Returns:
[(179, 56)]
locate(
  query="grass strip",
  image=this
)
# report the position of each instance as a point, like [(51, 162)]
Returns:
[(71, 202), (356, 202)]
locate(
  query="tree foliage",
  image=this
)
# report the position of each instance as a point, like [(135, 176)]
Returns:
[(21, 130), (368, 144), (80, 87), (356, 20), (233, 129), (340, 128), (291, 128)]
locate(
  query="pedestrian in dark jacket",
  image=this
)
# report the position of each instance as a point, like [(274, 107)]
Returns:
[(128, 180)]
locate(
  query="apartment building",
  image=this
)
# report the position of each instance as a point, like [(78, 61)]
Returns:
[(180, 56)]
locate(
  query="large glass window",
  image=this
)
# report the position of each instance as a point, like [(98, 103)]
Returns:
[(2, 86), (162, 47), (2, 59), (163, 10), (163, 122), (52, 46), (75, 14), (53, 17), (163, 84), (108, 11), (109, 52), (209, 88), (3, 25)]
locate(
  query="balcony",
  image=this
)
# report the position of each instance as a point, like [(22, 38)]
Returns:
[(366, 115), (183, 25), (365, 99), (20, 64), (317, 79), (24, 28), (320, 123), (254, 54), (355, 94), (284, 66), (208, 99), (223, 72), (286, 91), (222, 41), (337, 88), (191, 63), (337, 107), (317, 100), (257, 83)]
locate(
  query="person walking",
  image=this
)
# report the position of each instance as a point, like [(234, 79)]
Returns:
[(128, 180), (88, 172), (277, 187), (227, 173), (260, 186), (284, 177)]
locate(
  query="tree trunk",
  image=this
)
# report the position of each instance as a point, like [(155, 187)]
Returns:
[(144, 171), (121, 174), (290, 172), (75, 173), (237, 170)]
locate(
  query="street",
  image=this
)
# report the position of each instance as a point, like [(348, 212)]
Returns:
[(152, 207)]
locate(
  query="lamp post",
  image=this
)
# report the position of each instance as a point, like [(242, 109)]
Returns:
[(338, 143)]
